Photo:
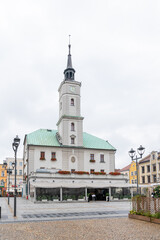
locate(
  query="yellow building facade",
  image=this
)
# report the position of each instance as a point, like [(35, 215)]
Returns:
[(3, 180), (133, 173)]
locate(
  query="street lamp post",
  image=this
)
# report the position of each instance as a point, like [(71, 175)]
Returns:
[(15, 145), (132, 154), (9, 171)]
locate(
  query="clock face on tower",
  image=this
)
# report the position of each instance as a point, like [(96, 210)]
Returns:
[(72, 89)]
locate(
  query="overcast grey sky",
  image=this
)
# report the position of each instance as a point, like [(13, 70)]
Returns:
[(116, 55)]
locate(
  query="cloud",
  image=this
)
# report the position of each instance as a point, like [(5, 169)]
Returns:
[(116, 55)]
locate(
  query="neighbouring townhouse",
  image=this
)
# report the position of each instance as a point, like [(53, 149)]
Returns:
[(3, 181)]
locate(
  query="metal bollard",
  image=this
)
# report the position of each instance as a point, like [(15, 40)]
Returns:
[(0, 212)]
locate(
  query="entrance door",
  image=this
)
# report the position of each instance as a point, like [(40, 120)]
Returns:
[(99, 192)]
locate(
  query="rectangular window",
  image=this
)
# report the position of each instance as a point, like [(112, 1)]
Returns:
[(135, 180), (20, 163), (135, 172), (2, 183), (143, 169), (10, 164), (91, 156), (149, 179), (91, 170), (143, 179), (53, 155), (154, 178), (148, 168), (131, 173), (102, 170), (101, 157), (42, 155), (132, 181), (20, 172), (154, 167), (72, 140), (2, 174)]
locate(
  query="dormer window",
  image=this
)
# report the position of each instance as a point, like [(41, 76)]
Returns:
[(72, 102), (72, 127)]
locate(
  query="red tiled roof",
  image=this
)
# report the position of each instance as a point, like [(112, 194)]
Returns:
[(125, 168)]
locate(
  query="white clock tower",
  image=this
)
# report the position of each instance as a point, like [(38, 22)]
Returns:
[(70, 123)]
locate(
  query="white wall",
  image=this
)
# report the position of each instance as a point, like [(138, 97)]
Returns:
[(64, 155)]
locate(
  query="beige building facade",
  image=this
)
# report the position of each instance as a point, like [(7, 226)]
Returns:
[(149, 169), (11, 178)]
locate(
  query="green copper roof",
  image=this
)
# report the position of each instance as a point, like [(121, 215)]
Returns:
[(90, 141), (43, 137), (47, 137)]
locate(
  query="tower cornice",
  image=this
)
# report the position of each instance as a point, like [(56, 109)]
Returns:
[(69, 117)]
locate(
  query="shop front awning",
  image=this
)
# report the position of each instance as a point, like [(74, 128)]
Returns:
[(80, 185)]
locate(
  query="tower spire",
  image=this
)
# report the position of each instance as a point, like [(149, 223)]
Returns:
[(69, 71), (69, 62)]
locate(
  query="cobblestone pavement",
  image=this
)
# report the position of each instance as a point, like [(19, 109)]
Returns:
[(73, 221), (29, 211), (93, 229)]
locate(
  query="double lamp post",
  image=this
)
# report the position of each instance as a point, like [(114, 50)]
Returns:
[(15, 145), (132, 154)]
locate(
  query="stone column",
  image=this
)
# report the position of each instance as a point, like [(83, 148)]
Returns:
[(35, 194), (61, 194), (86, 193), (131, 189), (109, 193)]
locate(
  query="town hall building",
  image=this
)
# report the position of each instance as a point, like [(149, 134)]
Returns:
[(67, 163)]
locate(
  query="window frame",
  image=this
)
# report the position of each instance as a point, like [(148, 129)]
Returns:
[(149, 178), (72, 140), (143, 169), (42, 155), (53, 155), (72, 127), (148, 168), (154, 178), (143, 179), (92, 156), (154, 167), (72, 102), (102, 158)]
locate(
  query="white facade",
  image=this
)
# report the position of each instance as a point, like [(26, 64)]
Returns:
[(72, 149), (64, 159)]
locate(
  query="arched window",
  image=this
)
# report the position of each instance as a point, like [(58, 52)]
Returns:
[(72, 102), (67, 74), (72, 127)]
